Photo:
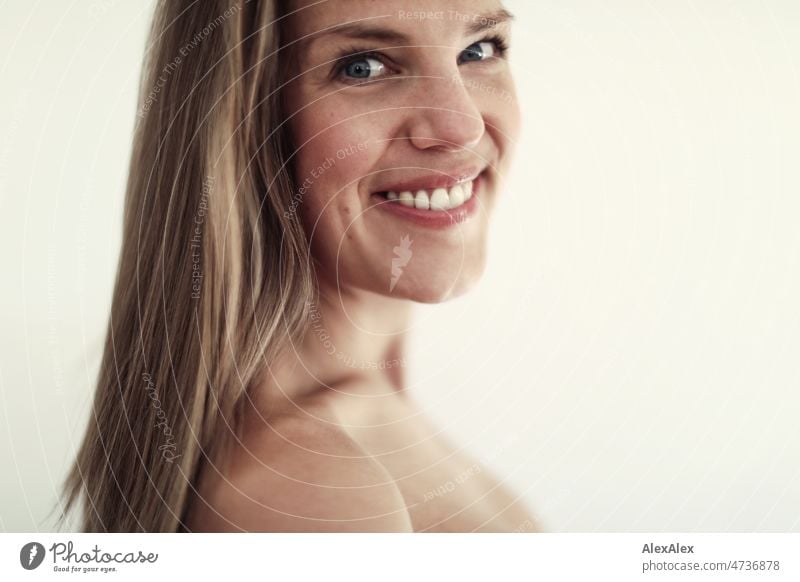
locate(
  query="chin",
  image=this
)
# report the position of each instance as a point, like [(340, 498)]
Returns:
[(437, 286)]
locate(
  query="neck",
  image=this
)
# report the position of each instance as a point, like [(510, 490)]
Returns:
[(354, 338)]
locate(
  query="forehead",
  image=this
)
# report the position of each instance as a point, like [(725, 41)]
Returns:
[(398, 19)]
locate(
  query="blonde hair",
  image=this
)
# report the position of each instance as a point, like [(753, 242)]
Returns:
[(212, 277)]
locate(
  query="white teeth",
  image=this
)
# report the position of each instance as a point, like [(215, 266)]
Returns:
[(457, 196), (440, 200), (406, 198)]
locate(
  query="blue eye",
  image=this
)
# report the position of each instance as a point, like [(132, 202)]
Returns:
[(364, 68), (479, 51)]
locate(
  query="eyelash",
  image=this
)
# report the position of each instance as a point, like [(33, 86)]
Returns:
[(353, 55)]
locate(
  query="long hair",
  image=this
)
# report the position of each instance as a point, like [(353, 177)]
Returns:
[(213, 276)]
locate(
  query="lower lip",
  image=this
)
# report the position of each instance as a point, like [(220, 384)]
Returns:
[(436, 218)]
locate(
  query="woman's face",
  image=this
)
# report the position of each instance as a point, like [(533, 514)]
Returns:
[(403, 116)]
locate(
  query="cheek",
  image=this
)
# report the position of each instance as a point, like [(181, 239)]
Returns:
[(338, 148), (500, 108), (336, 151)]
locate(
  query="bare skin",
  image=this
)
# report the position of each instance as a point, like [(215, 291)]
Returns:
[(312, 475), (330, 444), (356, 455)]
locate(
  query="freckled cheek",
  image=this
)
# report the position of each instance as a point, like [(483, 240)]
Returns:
[(339, 163), (336, 204)]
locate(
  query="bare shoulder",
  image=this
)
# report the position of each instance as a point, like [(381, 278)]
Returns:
[(300, 474)]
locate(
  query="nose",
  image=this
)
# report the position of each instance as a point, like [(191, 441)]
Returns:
[(444, 116)]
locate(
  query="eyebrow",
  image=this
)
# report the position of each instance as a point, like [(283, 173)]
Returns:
[(481, 22), (365, 30)]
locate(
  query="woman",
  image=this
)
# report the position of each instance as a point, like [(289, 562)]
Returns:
[(303, 172)]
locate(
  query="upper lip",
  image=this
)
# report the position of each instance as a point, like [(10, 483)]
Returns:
[(442, 179)]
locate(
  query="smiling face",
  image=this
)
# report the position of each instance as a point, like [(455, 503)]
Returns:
[(403, 116)]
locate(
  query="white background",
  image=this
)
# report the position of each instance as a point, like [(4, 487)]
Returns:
[(630, 361)]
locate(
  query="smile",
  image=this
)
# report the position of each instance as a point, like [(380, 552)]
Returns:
[(439, 205), (437, 200)]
